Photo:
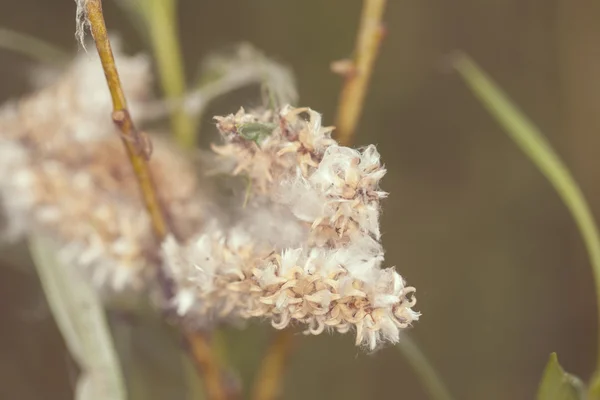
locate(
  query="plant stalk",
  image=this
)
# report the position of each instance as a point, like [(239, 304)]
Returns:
[(268, 385), (270, 376), (134, 142), (353, 93), (131, 137)]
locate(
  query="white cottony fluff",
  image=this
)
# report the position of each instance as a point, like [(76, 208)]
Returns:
[(327, 274), (320, 288), (300, 245), (64, 172), (81, 21)]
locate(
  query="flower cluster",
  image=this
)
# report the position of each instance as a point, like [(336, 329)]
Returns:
[(64, 172), (328, 196), (300, 243)]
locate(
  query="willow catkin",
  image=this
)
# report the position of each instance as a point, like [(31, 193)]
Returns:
[(64, 172), (331, 277), (301, 244)]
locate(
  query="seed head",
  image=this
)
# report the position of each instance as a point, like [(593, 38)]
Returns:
[(330, 275)]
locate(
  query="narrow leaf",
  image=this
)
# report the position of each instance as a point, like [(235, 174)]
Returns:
[(558, 385), (594, 387), (537, 148), (80, 317)]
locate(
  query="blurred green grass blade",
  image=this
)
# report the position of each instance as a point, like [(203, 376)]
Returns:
[(161, 20), (32, 47), (431, 381), (80, 317), (157, 20), (558, 385), (533, 143)]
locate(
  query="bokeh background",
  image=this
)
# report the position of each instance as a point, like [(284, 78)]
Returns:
[(501, 273)]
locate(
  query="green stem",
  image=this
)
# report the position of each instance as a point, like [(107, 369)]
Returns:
[(162, 25), (429, 378), (531, 141), (32, 47)]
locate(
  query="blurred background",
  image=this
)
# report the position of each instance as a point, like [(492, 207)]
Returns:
[(501, 273)]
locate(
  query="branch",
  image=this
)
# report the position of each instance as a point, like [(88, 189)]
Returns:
[(132, 139), (138, 148), (359, 73), (270, 376), (269, 380), (206, 362)]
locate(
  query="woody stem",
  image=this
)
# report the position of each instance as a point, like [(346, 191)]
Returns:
[(131, 137)]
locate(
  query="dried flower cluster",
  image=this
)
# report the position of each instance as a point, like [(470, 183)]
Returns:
[(300, 243), (327, 197), (63, 171)]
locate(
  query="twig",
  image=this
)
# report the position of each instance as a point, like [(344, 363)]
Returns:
[(132, 139), (270, 375), (205, 360), (269, 379), (358, 76), (138, 155)]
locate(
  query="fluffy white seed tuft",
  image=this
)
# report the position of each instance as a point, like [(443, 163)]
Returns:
[(306, 249)]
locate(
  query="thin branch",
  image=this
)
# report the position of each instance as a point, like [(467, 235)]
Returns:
[(206, 362), (358, 75), (270, 376), (136, 145), (132, 138), (269, 380)]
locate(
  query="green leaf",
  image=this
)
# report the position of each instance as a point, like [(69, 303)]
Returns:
[(80, 317), (594, 387), (558, 385), (255, 131), (537, 148)]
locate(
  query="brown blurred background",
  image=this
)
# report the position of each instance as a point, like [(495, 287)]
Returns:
[(502, 276)]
